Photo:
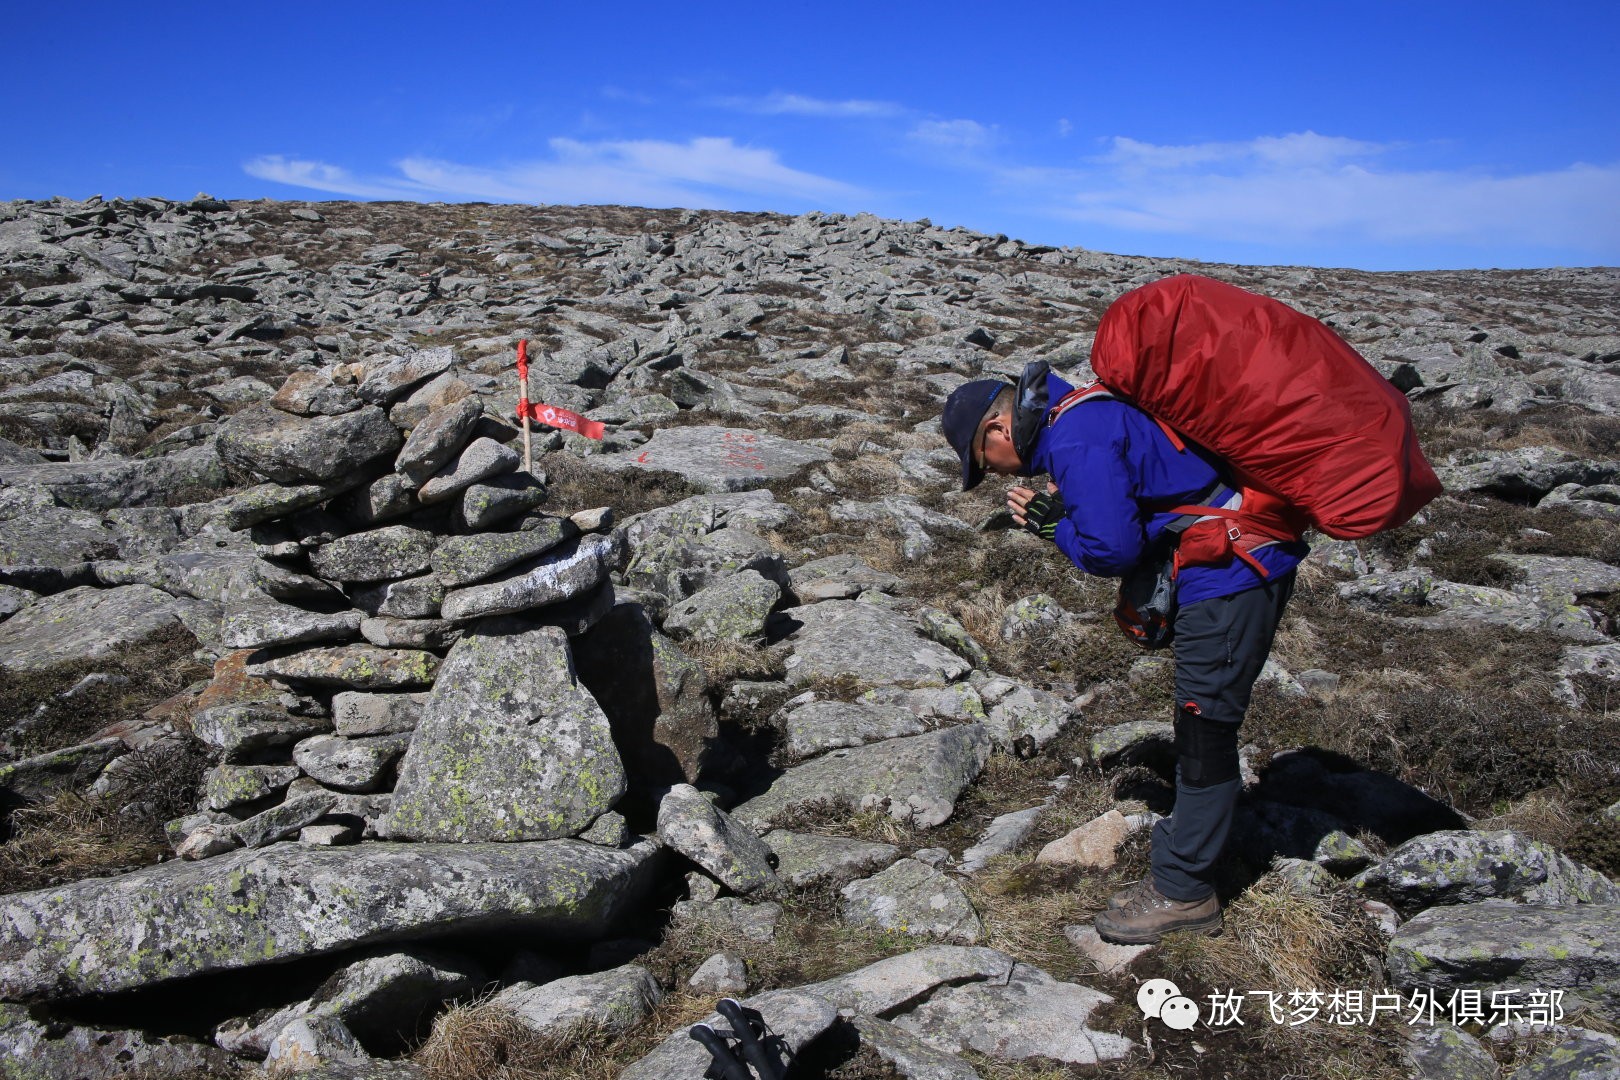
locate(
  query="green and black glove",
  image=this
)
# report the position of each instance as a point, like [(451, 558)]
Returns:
[(1042, 514)]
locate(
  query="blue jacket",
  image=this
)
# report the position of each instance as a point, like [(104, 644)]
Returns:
[(1107, 458)]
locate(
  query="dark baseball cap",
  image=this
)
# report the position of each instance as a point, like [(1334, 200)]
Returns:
[(964, 409)]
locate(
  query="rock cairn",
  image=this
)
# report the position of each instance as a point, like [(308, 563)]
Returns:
[(445, 708)]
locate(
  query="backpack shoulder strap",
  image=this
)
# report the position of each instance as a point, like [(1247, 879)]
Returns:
[(1096, 391)]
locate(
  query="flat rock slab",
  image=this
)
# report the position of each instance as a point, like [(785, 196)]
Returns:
[(874, 645), (510, 746), (615, 999), (558, 575), (1031, 1015), (915, 779), (1495, 945), (85, 624), (913, 898), (831, 725), (807, 858), (462, 560), (265, 907), (717, 459), (353, 667), (290, 449), (257, 624), (385, 554)]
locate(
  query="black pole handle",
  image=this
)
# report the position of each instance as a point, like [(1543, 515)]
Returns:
[(743, 1026), (730, 1067)]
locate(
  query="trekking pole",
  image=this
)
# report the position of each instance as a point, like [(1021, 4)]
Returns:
[(748, 1026), (724, 1058), (523, 402)]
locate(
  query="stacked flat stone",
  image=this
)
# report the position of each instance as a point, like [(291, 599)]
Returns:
[(417, 614)]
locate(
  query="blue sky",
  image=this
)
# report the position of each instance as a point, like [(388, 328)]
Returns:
[(1374, 135)]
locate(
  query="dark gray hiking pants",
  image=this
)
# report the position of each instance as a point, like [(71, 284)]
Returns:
[(1220, 646)]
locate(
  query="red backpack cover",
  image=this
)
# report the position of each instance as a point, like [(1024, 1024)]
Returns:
[(1292, 408)]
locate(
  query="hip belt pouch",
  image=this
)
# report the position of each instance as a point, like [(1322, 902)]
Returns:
[(1146, 610)]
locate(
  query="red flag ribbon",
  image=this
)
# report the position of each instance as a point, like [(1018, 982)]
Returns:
[(560, 418), (523, 358)]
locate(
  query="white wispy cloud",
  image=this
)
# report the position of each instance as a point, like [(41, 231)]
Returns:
[(319, 176), (1306, 187), (711, 173), (782, 104), (960, 136)]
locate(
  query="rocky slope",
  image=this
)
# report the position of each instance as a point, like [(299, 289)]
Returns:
[(744, 698)]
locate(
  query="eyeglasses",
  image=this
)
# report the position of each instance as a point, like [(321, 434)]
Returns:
[(984, 444)]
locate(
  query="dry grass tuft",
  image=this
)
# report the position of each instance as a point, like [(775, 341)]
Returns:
[(71, 838), (1276, 938), (1541, 815), (726, 661)]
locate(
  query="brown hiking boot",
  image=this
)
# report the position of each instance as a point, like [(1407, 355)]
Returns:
[(1123, 897), (1147, 914)]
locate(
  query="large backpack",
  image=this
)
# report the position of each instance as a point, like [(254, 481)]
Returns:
[(1305, 424)]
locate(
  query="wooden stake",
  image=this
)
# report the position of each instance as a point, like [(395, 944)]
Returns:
[(523, 404)]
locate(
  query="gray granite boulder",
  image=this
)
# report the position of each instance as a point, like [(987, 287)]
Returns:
[(410, 598), (679, 565), (482, 459), (718, 459), (608, 1001), (732, 609), (907, 1054), (289, 449), (52, 1049), (839, 577), (235, 785), (283, 822), (1580, 1055), (388, 379), (818, 726), (352, 667), (1022, 718), (85, 624), (810, 858), (1137, 742), (1447, 1052), (1523, 947), (913, 898), (561, 574), (437, 439), (915, 779), (385, 554), (431, 634), (45, 776), (462, 560), (355, 713), (875, 646), (350, 764), (1464, 866), (255, 624), (500, 498), (695, 827), (240, 731), (284, 902), (1525, 474), (510, 746)]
